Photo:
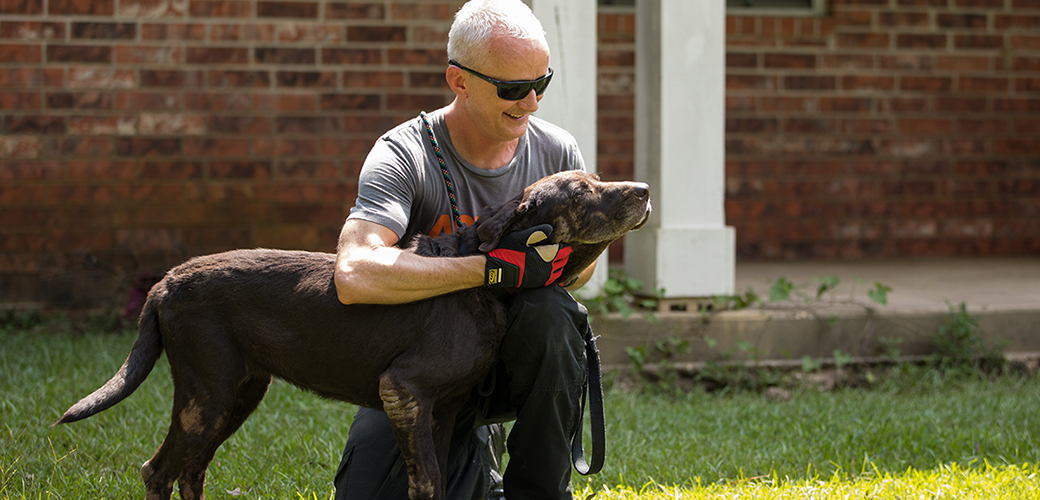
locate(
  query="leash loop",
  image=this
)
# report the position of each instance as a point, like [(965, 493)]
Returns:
[(593, 387)]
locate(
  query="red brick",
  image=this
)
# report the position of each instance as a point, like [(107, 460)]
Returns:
[(408, 102), (376, 79), (1026, 64), (846, 61), (1025, 42), (286, 102), (32, 124), (220, 8), (102, 78), (32, 30), (236, 79), (920, 41), (81, 7), (31, 170), (964, 105), (1024, 22), (104, 31), (151, 9), (300, 32), (134, 146), (170, 78), (216, 147), (281, 55), (242, 32), (419, 80), (80, 194), (808, 126), (435, 57), (907, 62), (351, 56), (173, 31), (1024, 126), (240, 170), (305, 79), (962, 20), (143, 54), (964, 63), (376, 33), (970, 42), (846, 104), (863, 40), (352, 101), (740, 60), (217, 55), (101, 124), (748, 126), (79, 53), (1014, 147), (868, 82), (253, 125), (80, 100), (293, 10), (926, 83), (162, 101), (1019, 105), (280, 147), (750, 82), (925, 126), (983, 84), (20, 53), (354, 10), (790, 61), (1027, 84), (901, 19), (606, 58), (21, 6)]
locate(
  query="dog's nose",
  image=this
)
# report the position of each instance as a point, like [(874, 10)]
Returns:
[(641, 190)]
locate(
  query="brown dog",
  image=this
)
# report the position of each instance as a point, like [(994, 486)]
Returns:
[(230, 321)]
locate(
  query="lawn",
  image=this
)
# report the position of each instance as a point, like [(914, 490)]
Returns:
[(917, 434)]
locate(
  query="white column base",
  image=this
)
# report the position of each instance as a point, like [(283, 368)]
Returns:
[(686, 263)]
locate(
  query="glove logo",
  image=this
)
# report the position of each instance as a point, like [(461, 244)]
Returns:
[(494, 276)]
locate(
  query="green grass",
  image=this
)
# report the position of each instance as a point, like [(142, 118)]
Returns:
[(918, 435)]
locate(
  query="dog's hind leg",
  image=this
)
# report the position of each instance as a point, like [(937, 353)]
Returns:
[(411, 417), (204, 413), (250, 393)]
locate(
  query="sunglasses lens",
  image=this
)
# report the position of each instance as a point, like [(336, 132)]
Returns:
[(518, 91)]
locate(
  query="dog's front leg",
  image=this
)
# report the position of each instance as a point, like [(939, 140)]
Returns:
[(411, 417)]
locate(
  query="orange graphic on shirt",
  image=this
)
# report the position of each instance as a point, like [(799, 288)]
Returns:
[(443, 225)]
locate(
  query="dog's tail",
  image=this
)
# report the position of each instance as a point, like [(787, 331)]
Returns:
[(135, 369)]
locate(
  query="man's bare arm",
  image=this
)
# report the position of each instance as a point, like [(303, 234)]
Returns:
[(370, 270)]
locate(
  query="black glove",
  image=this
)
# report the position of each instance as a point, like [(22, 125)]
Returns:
[(518, 263)]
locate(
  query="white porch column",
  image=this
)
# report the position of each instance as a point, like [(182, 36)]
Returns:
[(570, 101), (686, 248)]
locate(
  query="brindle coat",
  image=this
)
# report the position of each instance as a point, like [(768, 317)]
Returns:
[(229, 322)]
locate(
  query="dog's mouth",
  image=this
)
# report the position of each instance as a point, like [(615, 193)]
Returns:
[(646, 217)]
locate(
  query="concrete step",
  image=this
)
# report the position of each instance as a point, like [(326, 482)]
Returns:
[(1002, 295)]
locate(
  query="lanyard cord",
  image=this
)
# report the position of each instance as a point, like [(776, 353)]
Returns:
[(457, 217)]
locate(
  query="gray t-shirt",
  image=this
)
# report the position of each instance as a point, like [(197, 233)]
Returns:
[(402, 187)]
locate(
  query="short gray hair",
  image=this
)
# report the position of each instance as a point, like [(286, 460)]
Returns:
[(480, 20)]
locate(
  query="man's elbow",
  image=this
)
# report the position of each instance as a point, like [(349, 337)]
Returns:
[(347, 290)]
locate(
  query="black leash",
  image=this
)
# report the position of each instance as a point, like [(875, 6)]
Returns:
[(593, 387)]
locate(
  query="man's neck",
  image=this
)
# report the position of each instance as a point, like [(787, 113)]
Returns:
[(473, 146)]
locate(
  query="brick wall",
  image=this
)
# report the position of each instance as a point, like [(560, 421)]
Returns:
[(887, 128), (136, 133)]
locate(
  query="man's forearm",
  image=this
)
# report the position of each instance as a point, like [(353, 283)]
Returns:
[(388, 275)]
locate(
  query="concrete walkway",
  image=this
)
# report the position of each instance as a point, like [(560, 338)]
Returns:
[(1002, 294)]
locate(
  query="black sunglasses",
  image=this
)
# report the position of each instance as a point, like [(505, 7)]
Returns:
[(514, 90)]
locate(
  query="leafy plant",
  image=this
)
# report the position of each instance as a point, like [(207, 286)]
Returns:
[(958, 341), (621, 294)]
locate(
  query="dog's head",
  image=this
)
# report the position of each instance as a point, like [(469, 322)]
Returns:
[(585, 213)]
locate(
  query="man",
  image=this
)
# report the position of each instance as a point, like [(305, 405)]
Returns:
[(490, 149)]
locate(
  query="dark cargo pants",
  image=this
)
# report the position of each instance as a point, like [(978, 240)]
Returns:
[(538, 382)]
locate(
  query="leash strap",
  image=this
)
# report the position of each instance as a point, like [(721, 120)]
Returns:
[(593, 387), (456, 216)]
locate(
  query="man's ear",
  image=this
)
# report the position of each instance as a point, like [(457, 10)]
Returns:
[(456, 79)]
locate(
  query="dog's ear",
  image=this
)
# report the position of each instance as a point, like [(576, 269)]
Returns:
[(493, 226)]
